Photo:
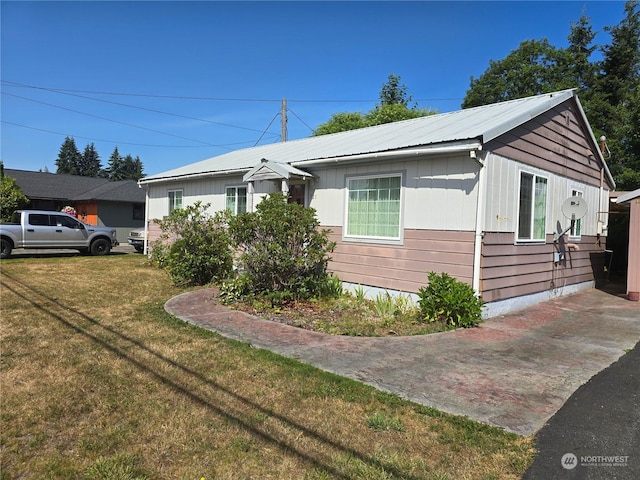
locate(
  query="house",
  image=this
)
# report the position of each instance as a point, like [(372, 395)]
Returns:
[(477, 193), (97, 201)]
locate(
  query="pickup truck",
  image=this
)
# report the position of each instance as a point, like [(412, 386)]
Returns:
[(36, 229)]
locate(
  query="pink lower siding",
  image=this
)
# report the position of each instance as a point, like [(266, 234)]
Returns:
[(510, 270), (403, 267)]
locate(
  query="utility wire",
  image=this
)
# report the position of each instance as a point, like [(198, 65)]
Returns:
[(66, 92), (110, 120), (101, 140), (222, 99), (302, 121), (268, 127)]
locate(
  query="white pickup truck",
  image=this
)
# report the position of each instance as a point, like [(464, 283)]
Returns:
[(37, 229)]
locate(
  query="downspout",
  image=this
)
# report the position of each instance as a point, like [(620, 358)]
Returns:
[(145, 249), (479, 233)]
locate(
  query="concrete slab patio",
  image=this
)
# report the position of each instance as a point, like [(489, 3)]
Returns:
[(513, 371)]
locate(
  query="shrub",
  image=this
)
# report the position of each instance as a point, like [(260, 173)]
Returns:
[(449, 300), (194, 247), (283, 252)]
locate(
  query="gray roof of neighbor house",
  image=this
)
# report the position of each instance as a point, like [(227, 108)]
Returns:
[(479, 124), (53, 186)]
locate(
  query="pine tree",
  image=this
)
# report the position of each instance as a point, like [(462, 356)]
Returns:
[(114, 170), (69, 159), (91, 165)]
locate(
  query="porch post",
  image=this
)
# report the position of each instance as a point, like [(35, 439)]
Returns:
[(250, 196)]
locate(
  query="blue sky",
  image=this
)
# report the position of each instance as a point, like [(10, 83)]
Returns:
[(179, 82)]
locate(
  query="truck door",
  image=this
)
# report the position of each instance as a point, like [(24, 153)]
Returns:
[(68, 231), (36, 230)]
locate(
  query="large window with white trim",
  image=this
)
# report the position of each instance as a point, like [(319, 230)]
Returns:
[(532, 207), (373, 207), (175, 200), (237, 199)]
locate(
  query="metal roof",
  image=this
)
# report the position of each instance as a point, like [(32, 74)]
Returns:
[(480, 123)]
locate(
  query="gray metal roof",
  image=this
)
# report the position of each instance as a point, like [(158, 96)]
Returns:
[(480, 123)]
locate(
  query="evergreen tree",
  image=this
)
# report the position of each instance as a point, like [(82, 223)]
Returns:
[(124, 168), (616, 107), (114, 170), (90, 165), (69, 158)]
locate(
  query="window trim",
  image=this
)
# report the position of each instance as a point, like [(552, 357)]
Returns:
[(236, 187), (367, 238), (572, 236), (174, 191), (531, 239)]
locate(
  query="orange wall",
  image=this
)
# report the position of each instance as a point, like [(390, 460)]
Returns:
[(87, 212)]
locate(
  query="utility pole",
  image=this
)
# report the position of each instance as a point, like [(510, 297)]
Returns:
[(284, 119)]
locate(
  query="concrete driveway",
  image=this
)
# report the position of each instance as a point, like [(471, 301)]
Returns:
[(513, 371)]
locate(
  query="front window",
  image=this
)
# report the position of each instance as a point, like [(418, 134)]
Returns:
[(175, 200), (237, 199), (532, 209), (373, 207)]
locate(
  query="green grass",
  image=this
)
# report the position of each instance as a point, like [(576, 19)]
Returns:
[(99, 382)]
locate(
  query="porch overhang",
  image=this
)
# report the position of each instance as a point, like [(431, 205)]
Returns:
[(268, 170)]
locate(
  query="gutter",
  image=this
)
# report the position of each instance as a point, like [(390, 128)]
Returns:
[(459, 147), (192, 176)]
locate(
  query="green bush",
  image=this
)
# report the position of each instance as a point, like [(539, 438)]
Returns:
[(283, 252), (194, 247), (447, 299)]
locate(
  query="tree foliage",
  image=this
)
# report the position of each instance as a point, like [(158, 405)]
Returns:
[(124, 168), (11, 198), (609, 89), (283, 251), (69, 158), (71, 162), (393, 107)]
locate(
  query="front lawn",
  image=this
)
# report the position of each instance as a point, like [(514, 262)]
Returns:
[(98, 382)]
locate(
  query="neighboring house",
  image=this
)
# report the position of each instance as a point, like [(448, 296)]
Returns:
[(476, 193), (97, 200)]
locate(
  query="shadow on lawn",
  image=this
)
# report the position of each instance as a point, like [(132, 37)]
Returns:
[(38, 299)]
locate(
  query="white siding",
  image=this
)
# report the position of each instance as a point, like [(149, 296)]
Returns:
[(502, 197), (208, 191), (438, 193)]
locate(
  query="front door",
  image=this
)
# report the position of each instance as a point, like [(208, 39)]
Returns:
[(296, 194)]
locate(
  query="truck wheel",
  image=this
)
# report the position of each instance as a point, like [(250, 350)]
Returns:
[(5, 248), (100, 246)]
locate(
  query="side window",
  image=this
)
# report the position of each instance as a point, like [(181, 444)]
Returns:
[(576, 228), (175, 200), (63, 221), (532, 207), (138, 211), (237, 199), (373, 207), (38, 219)]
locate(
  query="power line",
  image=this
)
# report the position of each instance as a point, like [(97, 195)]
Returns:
[(109, 119), (226, 99), (105, 141), (65, 92)]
